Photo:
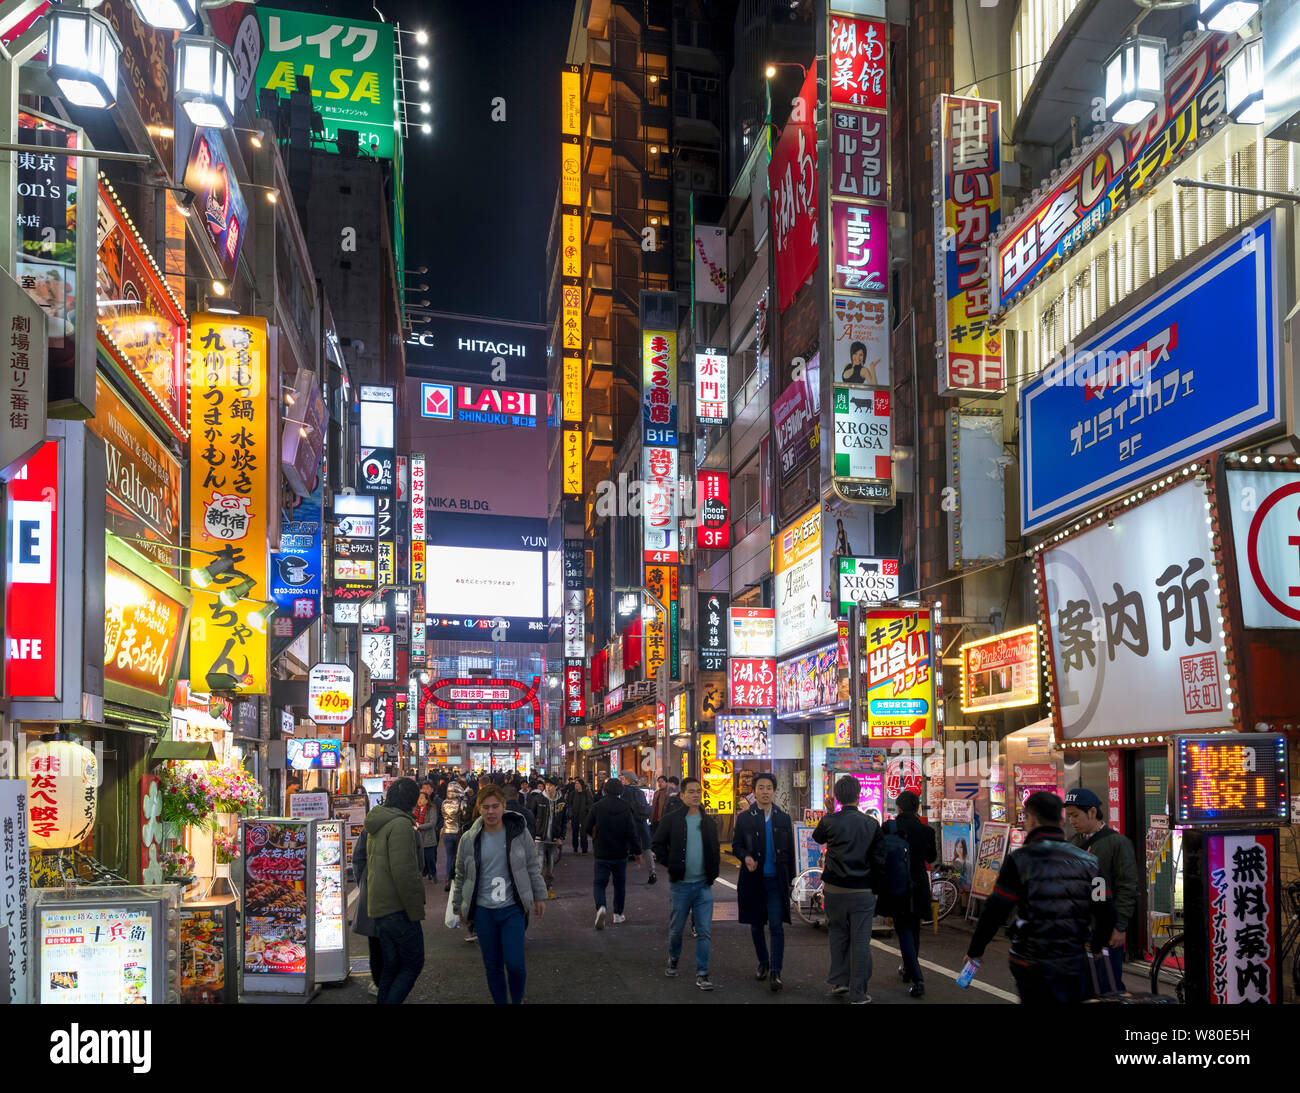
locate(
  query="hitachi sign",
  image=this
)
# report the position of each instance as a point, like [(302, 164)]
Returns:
[(497, 349)]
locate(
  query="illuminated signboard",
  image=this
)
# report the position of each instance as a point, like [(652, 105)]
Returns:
[(32, 600), (1001, 671), (659, 388), (218, 199), (572, 391), (745, 736), (144, 625), (418, 519), (483, 405), (713, 521), (479, 694), (711, 388), (899, 684), (313, 754), (752, 632), (571, 102), (1231, 778), (570, 173), (490, 736), (571, 245), (718, 794), (659, 501)]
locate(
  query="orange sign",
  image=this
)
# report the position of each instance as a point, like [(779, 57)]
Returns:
[(142, 632), (571, 103), (573, 462), (573, 389), (571, 251)]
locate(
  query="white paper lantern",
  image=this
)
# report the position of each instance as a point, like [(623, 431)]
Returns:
[(62, 779)]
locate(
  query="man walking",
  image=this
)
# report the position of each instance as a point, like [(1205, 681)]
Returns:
[(617, 837), (394, 890), (664, 788), (641, 813), (1059, 896), (1118, 864), (764, 843), (855, 856), (907, 908), (686, 844), (550, 831), (578, 805), (514, 803)]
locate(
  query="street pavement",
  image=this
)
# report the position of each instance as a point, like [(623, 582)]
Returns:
[(571, 962)]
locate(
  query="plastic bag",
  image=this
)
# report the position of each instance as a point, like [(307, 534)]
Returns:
[(450, 918)]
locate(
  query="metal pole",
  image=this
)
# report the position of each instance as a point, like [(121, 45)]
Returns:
[(855, 676), (80, 153)]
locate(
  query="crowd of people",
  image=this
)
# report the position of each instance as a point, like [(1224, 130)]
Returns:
[(501, 836)]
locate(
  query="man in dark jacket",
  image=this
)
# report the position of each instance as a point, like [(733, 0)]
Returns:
[(1118, 864), (855, 857), (686, 844), (641, 813), (764, 843), (617, 837), (515, 804), (577, 803), (1059, 896), (908, 908), (548, 821), (394, 891)]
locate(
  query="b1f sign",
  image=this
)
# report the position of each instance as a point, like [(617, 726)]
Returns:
[(32, 611)]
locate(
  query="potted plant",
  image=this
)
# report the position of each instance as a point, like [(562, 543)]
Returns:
[(178, 866), (234, 790), (187, 799)]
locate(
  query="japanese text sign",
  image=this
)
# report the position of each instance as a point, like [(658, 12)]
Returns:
[(792, 181), (812, 682), (1132, 608), (713, 498), (1155, 389), (1230, 778), (859, 165), (795, 422), (711, 397), (861, 236), (330, 694), (718, 795), (858, 50), (14, 882), (1001, 671), (1265, 509), (142, 632), (573, 462), (863, 438), (711, 638), (860, 328), (968, 186), (660, 505), (574, 691), (753, 683), (33, 605), (659, 388), (230, 463), (899, 680), (753, 631), (1242, 916), (802, 615), (870, 579)]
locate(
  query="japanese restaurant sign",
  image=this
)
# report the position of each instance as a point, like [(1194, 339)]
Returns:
[(659, 500), (574, 691), (278, 923), (143, 632), (968, 211), (792, 182), (899, 681), (711, 397), (1001, 671), (330, 694), (1242, 913), (711, 638), (659, 388), (229, 493), (1132, 608), (713, 522), (141, 324), (858, 68), (33, 600)]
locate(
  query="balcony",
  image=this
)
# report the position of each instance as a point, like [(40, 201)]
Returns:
[(600, 364), (598, 222), (600, 290), (599, 435), (597, 17)]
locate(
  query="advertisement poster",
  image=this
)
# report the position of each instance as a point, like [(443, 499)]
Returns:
[(1242, 904), (202, 952), (753, 632), (871, 791), (753, 683), (276, 872), (330, 693), (860, 326), (330, 917), (211, 177), (902, 775), (97, 955), (1033, 778), (297, 568), (899, 685), (313, 754), (957, 849), (861, 236), (15, 876), (718, 795), (994, 838), (745, 736), (795, 426), (808, 852), (802, 615), (811, 682), (1001, 671)]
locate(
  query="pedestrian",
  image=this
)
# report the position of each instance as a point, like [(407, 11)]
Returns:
[(657, 804), (394, 893), (1118, 864), (498, 880), (548, 821), (641, 813), (426, 823), (616, 837), (1052, 886), (363, 924), (673, 799), (578, 805), (515, 804), (686, 844), (455, 818), (764, 844), (855, 857), (907, 908)]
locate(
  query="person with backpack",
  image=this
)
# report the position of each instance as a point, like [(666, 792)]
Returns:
[(905, 896), (855, 862), (764, 843)]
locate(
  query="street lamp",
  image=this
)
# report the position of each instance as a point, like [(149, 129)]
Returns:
[(1135, 79), (83, 56), (1244, 86), (1226, 16), (205, 81), (166, 14)]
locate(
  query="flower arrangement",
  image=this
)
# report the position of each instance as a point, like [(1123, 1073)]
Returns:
[(227, 848), (177, 863), (234, 789), (188, 797)]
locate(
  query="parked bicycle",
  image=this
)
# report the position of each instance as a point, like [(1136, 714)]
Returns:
[(807, 897), (945, 890)]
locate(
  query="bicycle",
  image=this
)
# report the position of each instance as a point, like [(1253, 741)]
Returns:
[(945, 889), (807, 897)]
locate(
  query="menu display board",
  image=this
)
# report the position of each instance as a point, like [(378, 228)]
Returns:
[(331, 902), (97, 953), (988, 858), (206, 937), (277, 930)]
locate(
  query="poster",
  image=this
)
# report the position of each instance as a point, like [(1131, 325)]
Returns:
[(718, 795), (956, 851), (14, 881), (860, 326), (802, 614), (276, 925), (898, 683), (1242, 906), (330, 916), (988, 858), (97, 955), (202, 952), (745, 736), (808, 852), (792, 183), (813, 681)]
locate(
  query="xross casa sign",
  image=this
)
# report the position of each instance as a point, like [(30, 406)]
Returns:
[(482, 405)]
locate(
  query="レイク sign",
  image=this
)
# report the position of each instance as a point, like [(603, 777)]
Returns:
[(330, 694)]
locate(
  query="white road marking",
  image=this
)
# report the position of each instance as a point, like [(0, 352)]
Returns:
[(723, 880), (997, 991)]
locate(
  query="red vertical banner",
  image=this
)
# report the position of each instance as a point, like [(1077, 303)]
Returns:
[(792, 182), (1115, 789), (32, 616), (713, 498), (574, 696)]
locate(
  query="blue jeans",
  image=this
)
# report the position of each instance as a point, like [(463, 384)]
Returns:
[(449, 844), (696, 899), (431, 861), (501, 939), (774, 891), (605, 870), (402, 942)]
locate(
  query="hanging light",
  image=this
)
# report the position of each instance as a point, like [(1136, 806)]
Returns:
[(66, 775), (202, 577), (236, 592), (83, 56), (259, 618), (1135, 79), (166, 14), (1226, 16), (205, 81), (1244, 86)]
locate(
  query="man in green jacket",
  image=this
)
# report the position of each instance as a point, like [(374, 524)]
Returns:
[(394, 890), (1115, 856)]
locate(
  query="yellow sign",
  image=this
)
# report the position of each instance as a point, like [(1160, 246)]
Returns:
[(571, 104), (572, 245), (719, 796), (230, 465), (571, 296), (573, 462), (573, 389), (585, 743), (571, 174)]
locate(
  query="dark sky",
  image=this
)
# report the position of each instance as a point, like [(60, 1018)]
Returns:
[(479, 193)]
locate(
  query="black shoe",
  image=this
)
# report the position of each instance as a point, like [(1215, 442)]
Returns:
[(653, 877), (902, 974), (761, 974), (917, 990), (776, 983)]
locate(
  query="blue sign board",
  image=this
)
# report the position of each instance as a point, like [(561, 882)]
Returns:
[(218, 199), (296, 570), (1193, 369)]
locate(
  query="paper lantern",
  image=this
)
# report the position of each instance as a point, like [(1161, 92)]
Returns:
[(62, 777)]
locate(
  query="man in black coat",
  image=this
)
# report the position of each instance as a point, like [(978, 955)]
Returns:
[(617, 837), (577, 803), (764, 843), (908, 909)]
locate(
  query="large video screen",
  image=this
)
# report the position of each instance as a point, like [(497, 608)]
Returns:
[(474, 581)]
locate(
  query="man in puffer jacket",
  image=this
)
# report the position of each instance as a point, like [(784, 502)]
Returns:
[(455, 818), (394, 890), (498, 879)]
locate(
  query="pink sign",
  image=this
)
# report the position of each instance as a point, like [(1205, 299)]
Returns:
[(861, 235), (792, 180)]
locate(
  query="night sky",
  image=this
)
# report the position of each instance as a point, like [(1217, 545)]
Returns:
[(479, 193)]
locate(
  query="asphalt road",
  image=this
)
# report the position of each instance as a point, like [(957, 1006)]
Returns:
[(571, 962)]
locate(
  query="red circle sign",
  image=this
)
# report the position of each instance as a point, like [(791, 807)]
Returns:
[(1252, 551)]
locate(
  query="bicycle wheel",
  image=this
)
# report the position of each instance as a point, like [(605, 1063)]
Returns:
[(805, 896), (1172, 960), (944, 893)]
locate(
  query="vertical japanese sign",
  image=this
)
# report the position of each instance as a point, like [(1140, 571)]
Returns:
[(14, 881), (571, 173), (718, 794), (712, 399), (298, 567), (753, 683), (792, 182), (862, 448), (572, 456), (1242, 911), (571, 388), (968, 212), (22, 387), (575, 620), (860, 333), (571, 245), (659, 500), (711, 636), (419, 519), (574, 691), (659, 388), (571, 290), (660, 632), (33, 607), (899, 684), (230, 460), (713, 497)]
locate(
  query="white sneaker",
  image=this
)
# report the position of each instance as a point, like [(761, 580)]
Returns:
[(619, 918), (600, 919), (373, 988)]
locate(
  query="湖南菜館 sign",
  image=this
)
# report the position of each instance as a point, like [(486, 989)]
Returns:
[(1157, 388), (1132, 609)]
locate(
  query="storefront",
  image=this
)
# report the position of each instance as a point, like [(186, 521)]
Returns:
[(812, 696)]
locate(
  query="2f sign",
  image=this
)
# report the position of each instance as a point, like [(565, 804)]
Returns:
[(32, 557)]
